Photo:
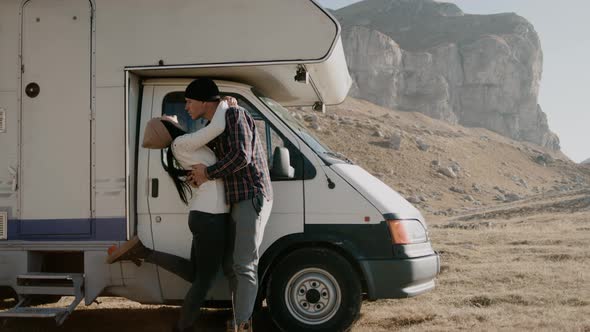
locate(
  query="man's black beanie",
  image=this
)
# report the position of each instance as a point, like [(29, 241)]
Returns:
[(202, 89)]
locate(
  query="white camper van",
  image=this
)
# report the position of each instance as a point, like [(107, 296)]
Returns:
[(79, 79)]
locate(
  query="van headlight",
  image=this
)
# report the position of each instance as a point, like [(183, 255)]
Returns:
[(408, 231)]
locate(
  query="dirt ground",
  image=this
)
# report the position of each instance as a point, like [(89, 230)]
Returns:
[(514, 267)]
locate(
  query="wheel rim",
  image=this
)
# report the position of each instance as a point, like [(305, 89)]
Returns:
[(313, 296)]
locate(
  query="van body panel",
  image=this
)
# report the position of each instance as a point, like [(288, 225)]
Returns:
[(79, 230), (9, 35), (405, 251), (140, 283), (275, 80), (339, 206), (13, 261), (247, 59), (362, 241), (133, 104), (250, 26), (329, 78), (385, 199), (10, 152), (63, 97), (9, 87), (142, 189), (109, 187), (390, 279)]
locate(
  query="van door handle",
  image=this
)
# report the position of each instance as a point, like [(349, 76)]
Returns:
[(155, 187), (14, 174)]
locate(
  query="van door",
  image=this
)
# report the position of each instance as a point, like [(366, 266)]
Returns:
[(169, 216), (55, 111)]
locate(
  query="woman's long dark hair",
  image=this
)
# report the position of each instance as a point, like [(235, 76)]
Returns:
[(173, 168)]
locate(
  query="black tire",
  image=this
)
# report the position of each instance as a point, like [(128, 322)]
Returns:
[(314, 289)]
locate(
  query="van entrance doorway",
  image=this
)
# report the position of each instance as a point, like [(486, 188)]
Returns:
[(55, 136)]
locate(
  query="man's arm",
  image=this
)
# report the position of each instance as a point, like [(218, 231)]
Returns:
[(240, 146), (198, 139)]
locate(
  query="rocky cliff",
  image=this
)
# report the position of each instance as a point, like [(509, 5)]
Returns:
[(430, 57)]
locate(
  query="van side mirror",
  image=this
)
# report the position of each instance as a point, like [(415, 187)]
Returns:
[(281, 165)]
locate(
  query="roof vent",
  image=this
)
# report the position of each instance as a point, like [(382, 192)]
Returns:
[(3, 225), (2, 120)]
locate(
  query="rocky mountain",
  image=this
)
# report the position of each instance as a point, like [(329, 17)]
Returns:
[(586, 162), (429, 57)]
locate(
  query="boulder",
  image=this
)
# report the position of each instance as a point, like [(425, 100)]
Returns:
[(422, 145), (395, 141), (448, 172)]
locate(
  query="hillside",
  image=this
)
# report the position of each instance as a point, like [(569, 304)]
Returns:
[(445, 169)]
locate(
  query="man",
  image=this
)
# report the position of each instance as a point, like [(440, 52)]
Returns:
[(242, 166)]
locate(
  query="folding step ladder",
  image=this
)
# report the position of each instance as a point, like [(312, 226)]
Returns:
[(40, 283)]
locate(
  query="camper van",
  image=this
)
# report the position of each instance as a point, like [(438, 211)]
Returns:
[(79, 79)]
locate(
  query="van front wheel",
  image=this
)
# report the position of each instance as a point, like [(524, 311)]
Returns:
[(314, 290)]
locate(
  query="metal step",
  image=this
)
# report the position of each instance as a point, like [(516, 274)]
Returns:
[(40, 283), (32, 284), (26, 312)]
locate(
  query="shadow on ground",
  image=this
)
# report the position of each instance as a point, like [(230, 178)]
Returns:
[(145, 320)]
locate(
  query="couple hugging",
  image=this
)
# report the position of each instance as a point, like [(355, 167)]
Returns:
[(221, 172)]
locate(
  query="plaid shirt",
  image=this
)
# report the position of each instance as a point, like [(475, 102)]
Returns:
[(241, 159)]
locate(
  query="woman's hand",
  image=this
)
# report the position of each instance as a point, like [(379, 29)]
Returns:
[(231, 101), (171, 118)]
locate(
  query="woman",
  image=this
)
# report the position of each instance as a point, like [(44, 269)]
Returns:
[(208, 211)]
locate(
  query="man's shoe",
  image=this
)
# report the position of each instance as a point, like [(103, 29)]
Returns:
[(132, 250), (246, 326)]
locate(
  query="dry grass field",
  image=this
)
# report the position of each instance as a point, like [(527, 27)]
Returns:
[(512, 270)]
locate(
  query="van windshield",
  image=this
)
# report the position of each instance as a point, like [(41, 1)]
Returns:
[(298, 127)]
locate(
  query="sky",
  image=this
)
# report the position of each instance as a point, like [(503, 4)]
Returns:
[(564, 30)]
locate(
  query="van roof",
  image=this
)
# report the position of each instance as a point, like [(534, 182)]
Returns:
[(186, 81), (261, 43), (328, 81)]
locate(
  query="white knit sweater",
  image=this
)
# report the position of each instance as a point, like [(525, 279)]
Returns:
[(191, 149)]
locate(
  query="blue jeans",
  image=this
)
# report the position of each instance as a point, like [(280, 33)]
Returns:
[(210, 232)]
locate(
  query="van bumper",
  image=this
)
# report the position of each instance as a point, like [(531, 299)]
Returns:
[(399, 278)]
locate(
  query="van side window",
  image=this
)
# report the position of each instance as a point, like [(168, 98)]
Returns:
[(173, 105), (270, 139)]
